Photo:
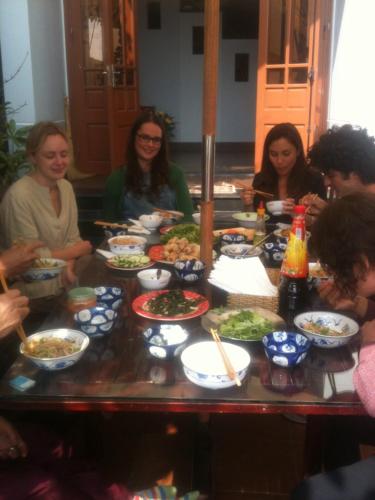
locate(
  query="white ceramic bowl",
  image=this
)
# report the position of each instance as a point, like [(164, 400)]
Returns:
[(197, 217), (347, 326), (275, 207), (80, 339), (44, 269), (149, 280), (204, 366), (151, 221), (247, 219), (127, 245)]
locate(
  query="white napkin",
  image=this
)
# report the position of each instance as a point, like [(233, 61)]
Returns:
[(245, 276)]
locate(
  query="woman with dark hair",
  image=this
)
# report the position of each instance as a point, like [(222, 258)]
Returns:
[(344, 240), (148, 180), (284, 171)]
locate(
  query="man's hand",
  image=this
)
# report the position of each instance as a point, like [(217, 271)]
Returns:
[(19, 258), (13, 309), (11, 444)]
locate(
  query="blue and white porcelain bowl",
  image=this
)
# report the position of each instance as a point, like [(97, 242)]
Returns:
[(274, 250), (79, 339), (204, 366), (165, 341), (127, 245), (44, 269), (96, 321), (109, 296), (189, 271), (111, 232), (231, 238), (240, 251), (326, 329), (286, 348), (151, 221)]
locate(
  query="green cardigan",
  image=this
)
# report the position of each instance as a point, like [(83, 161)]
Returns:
[(114, 191)]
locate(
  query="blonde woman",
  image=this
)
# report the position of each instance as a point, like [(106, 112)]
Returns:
[(42, 206)]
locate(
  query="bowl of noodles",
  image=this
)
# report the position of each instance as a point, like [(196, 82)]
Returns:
[(326, 329), (44, 269), (55, 349)]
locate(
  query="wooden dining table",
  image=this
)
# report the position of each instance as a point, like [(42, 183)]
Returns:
[(117, 373)]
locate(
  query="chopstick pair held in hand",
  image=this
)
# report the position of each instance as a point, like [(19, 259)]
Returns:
[(227, 362), (20, 330)]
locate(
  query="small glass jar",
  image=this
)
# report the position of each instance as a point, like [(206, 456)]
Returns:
[(81, 298)]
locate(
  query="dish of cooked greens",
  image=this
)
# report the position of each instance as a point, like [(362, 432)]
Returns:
[(169, 305), (245, 325), (189, 231)]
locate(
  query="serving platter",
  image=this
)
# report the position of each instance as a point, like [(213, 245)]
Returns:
[(215, 317), (140, 305)]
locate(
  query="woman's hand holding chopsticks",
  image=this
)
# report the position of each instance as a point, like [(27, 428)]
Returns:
[(14, 307)]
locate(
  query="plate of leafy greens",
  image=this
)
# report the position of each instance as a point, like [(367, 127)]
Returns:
[(242, 325), (189, 231)]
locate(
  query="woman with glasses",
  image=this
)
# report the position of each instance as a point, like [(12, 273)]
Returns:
[(149, 179)]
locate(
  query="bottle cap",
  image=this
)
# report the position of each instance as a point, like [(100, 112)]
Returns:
[(299, 209), (261, 204)]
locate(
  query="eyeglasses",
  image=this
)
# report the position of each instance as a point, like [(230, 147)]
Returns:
[(155, 141)]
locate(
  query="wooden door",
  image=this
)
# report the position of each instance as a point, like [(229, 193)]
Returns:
[(102, 79), (291, 45)]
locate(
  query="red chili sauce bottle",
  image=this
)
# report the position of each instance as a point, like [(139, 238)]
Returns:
[(293, 291)]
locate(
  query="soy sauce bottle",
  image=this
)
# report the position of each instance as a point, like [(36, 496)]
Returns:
[(293, 292)]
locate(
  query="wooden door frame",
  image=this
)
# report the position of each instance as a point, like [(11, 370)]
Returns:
[(321, 61)]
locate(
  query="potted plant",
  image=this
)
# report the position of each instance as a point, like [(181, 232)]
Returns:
[(12, 148)]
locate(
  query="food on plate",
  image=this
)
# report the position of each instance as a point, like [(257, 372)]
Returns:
[(180, 248), (129, 261), (316, 271), (190, 232), (248, 233), (45, 263), (125, 240), (51, 348), (172, 303), (284, 233), (313, 327), (245, 325)]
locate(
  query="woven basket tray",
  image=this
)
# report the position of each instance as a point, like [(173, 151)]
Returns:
[(237, 300)]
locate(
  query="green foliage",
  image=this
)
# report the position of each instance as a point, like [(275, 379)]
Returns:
[(12, 147), (169, 123)]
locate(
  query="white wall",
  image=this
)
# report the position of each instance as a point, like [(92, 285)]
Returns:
[(15, 46), (171, 77), (33, 28), (352, 66)]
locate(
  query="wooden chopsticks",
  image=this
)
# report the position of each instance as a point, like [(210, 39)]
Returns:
[(227, 363), (110, 224), (262, 240), (243, 185), (20, 330)]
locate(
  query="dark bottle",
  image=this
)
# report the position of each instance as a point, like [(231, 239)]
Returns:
[(293, 292)]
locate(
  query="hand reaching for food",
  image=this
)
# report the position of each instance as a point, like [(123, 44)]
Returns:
[(13, 309), (17, 259), (288, 206), (247, 196)]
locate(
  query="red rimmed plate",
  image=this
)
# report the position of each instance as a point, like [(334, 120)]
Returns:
[(139, 306)]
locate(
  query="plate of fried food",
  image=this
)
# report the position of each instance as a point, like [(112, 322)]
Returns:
[(174, 249)]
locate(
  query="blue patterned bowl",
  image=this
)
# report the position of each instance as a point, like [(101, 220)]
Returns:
[(165, 341), (326, 329), (44, 269), (274, 250), (111, 232), (109, 296), (96, 321), (286, 348), (127, 245), (78, 339), (230, 238), (189, 271), (204, 366)]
